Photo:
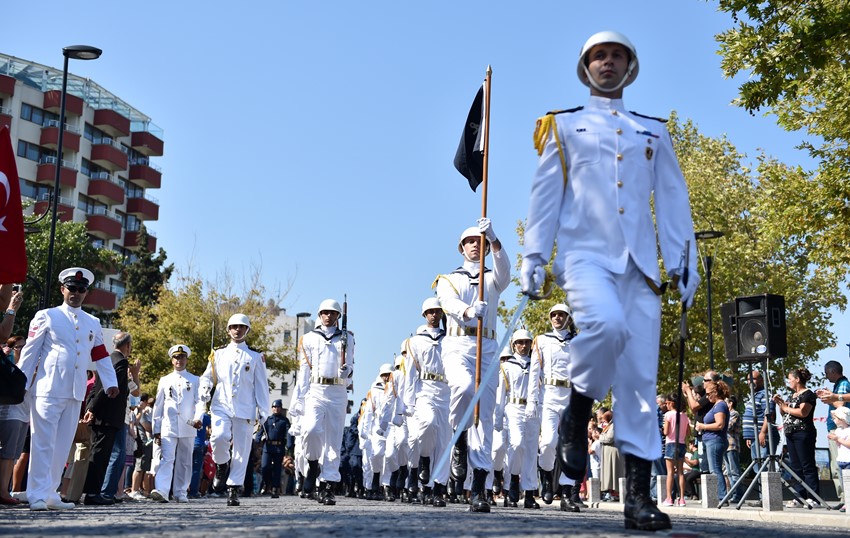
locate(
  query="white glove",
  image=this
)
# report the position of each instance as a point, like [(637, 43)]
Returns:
[(687, 293), (477, 310), (486, 227), (295, 429), (346, 371), (531, 411), (532, 274)]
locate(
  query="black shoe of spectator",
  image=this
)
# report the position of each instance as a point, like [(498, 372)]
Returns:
[(275, 493), (97, 500), (572, 435)]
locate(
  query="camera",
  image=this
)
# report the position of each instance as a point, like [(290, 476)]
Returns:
[(16, 287)]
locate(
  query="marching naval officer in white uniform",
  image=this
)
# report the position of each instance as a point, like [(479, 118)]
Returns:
[(61, 343), (177, 415), (601, 169), (238, 374)]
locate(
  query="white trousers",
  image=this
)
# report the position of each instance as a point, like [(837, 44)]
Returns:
[(554, 401), (322, 428), (235, 432), (459, 363), (429, 430), (53, 423), (175, 464), (619, 318), (522, 439)]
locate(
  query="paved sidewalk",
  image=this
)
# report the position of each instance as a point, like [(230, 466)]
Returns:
[(351, 518)]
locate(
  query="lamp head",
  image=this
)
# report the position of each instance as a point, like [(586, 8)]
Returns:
[(82, 52)]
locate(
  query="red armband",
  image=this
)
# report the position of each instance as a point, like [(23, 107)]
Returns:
[(99, 352)]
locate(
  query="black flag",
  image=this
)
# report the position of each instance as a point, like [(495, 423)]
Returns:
[(469, 159)]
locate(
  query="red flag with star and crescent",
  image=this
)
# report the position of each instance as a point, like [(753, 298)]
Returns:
[(14, 266)]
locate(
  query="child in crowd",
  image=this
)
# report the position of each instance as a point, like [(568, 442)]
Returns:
[(841, 436), (674, 446)]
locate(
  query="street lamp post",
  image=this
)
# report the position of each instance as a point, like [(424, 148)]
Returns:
[(708, 261), (77, 52)]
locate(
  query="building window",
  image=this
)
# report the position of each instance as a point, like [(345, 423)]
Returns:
[(34, 190), (287, 336), (284, 388), (91, 206), (33, 152)]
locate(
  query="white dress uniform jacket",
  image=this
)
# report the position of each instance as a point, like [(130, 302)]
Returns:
[(615, 162), (177, 406), (242, 389), (522, 432)]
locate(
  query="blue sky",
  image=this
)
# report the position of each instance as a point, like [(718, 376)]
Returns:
[(316, 138)]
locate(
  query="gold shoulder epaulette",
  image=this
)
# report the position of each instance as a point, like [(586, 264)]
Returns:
[(546, 126)]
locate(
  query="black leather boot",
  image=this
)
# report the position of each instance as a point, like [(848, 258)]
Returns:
[(546, 486), (393, 487), (498, 480), (572, 435), (439, 496), (222, 471), (388, 494), (479, 503), (529, 501), (275, 493), (328, 498), (376, 487), (313, 472), (320, 493), (639, 510), (299, 488), (513, 490), (490, 500), (567, 504), (460, 457), (233, 496), (576, 499), (451, 491), (424, 470)]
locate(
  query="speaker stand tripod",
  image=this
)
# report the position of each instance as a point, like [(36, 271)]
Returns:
[(772, 462)]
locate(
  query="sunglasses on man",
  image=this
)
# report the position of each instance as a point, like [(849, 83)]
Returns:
[(76, 289)]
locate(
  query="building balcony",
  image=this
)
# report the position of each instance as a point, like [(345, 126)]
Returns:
[(46, 172), (53, 102), (106, 154), (103, 224), (145, 207), (111, 122), (103, 187), (50, 137), (5, 117), (131, 240), (7, 85), (145, 175), (101, 298), (64, 213), (147, 144)]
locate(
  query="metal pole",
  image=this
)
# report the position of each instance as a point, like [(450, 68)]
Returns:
[(45, 299), (709, 261)]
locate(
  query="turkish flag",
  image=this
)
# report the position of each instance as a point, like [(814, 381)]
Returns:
[(14, 266)]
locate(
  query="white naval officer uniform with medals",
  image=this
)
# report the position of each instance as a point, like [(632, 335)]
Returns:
[(599, 168), (320, 395), (177, 408), (238, 374), (61, 345)]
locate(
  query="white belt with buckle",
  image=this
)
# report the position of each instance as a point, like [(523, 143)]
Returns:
[(520, 401), (472, 331), (555, 382)]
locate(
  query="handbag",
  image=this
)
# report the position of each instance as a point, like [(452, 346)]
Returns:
[(13, 382), (83, 434)]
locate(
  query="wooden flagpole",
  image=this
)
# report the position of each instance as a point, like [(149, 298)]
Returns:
[(482, 249)]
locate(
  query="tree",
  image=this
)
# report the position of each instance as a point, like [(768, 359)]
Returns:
[(796, 54), (759, 254), (196, 314), (73, 248), (144, 277)]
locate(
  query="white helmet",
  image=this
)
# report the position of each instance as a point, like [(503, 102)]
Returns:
[(520, 334), (399, 360), (561, 307), (330, 304), (506, 353), (239, 319), (403, 347), (430, 304), (386, 368), (598, 38), (472, 231)]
